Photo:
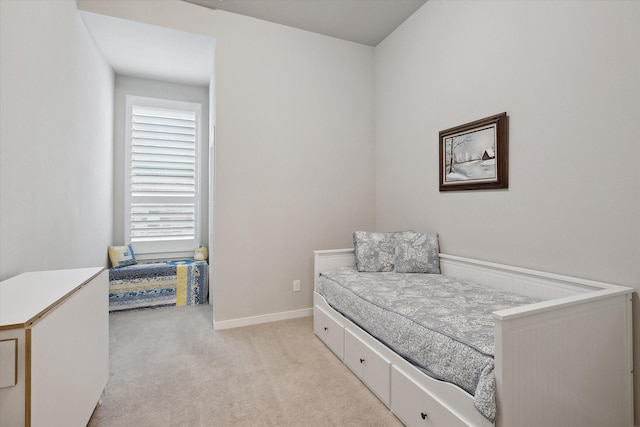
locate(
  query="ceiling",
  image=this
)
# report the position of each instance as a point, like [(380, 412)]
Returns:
[(148, 51), (362, 21)]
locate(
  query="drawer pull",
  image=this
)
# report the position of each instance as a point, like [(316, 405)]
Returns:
[(423, 415), (361, 360), (326, 329)]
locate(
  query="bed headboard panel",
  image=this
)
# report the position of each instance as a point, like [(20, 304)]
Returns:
[(524, 281), (533, 283)]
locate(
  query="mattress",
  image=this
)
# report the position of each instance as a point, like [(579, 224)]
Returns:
[(173, 283), (442, 325)]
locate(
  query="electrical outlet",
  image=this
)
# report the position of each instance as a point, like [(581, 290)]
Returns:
[(296, 285)]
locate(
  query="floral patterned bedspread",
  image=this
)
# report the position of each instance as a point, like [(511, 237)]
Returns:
[(441, 324)]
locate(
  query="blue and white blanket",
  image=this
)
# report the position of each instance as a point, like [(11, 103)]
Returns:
[(442, 325), (173, 283)]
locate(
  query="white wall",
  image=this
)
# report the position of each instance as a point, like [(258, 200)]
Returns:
[(56, 114), (127, 85), (568, 75), (294, 150)]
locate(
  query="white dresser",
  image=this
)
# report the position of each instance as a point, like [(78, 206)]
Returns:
[(54, 346)]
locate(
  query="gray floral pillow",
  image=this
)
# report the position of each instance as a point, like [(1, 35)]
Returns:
[(417, 253), (374, 251)]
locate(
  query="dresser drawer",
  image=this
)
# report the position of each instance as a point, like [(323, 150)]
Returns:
[(415, 407), (368, 365), (329, 330)]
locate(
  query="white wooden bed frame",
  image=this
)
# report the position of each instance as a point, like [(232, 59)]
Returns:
[(563, 362)]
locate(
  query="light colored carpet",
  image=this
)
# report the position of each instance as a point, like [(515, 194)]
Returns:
[(168, 367)]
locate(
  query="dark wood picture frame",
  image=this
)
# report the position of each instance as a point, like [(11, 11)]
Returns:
[(475, 156)]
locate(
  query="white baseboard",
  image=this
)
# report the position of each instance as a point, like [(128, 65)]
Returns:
[(265, 318)]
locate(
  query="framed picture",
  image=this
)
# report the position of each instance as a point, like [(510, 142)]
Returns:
[(474, 156)]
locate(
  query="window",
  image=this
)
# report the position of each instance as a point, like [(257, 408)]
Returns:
[(162, 192)]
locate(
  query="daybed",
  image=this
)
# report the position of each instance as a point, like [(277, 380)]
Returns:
[(173, 283), (562, 355)]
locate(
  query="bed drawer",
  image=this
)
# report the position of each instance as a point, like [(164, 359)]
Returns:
[(415, 406), (329, 330), (368, 365)]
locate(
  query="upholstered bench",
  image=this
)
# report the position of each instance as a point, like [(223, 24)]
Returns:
[(172, 283)]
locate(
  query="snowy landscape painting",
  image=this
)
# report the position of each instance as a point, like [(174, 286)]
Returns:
[(473, 156)]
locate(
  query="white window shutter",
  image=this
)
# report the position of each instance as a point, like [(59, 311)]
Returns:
[(162, 182)]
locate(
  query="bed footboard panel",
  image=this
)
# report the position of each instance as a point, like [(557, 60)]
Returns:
[(567, 365)]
